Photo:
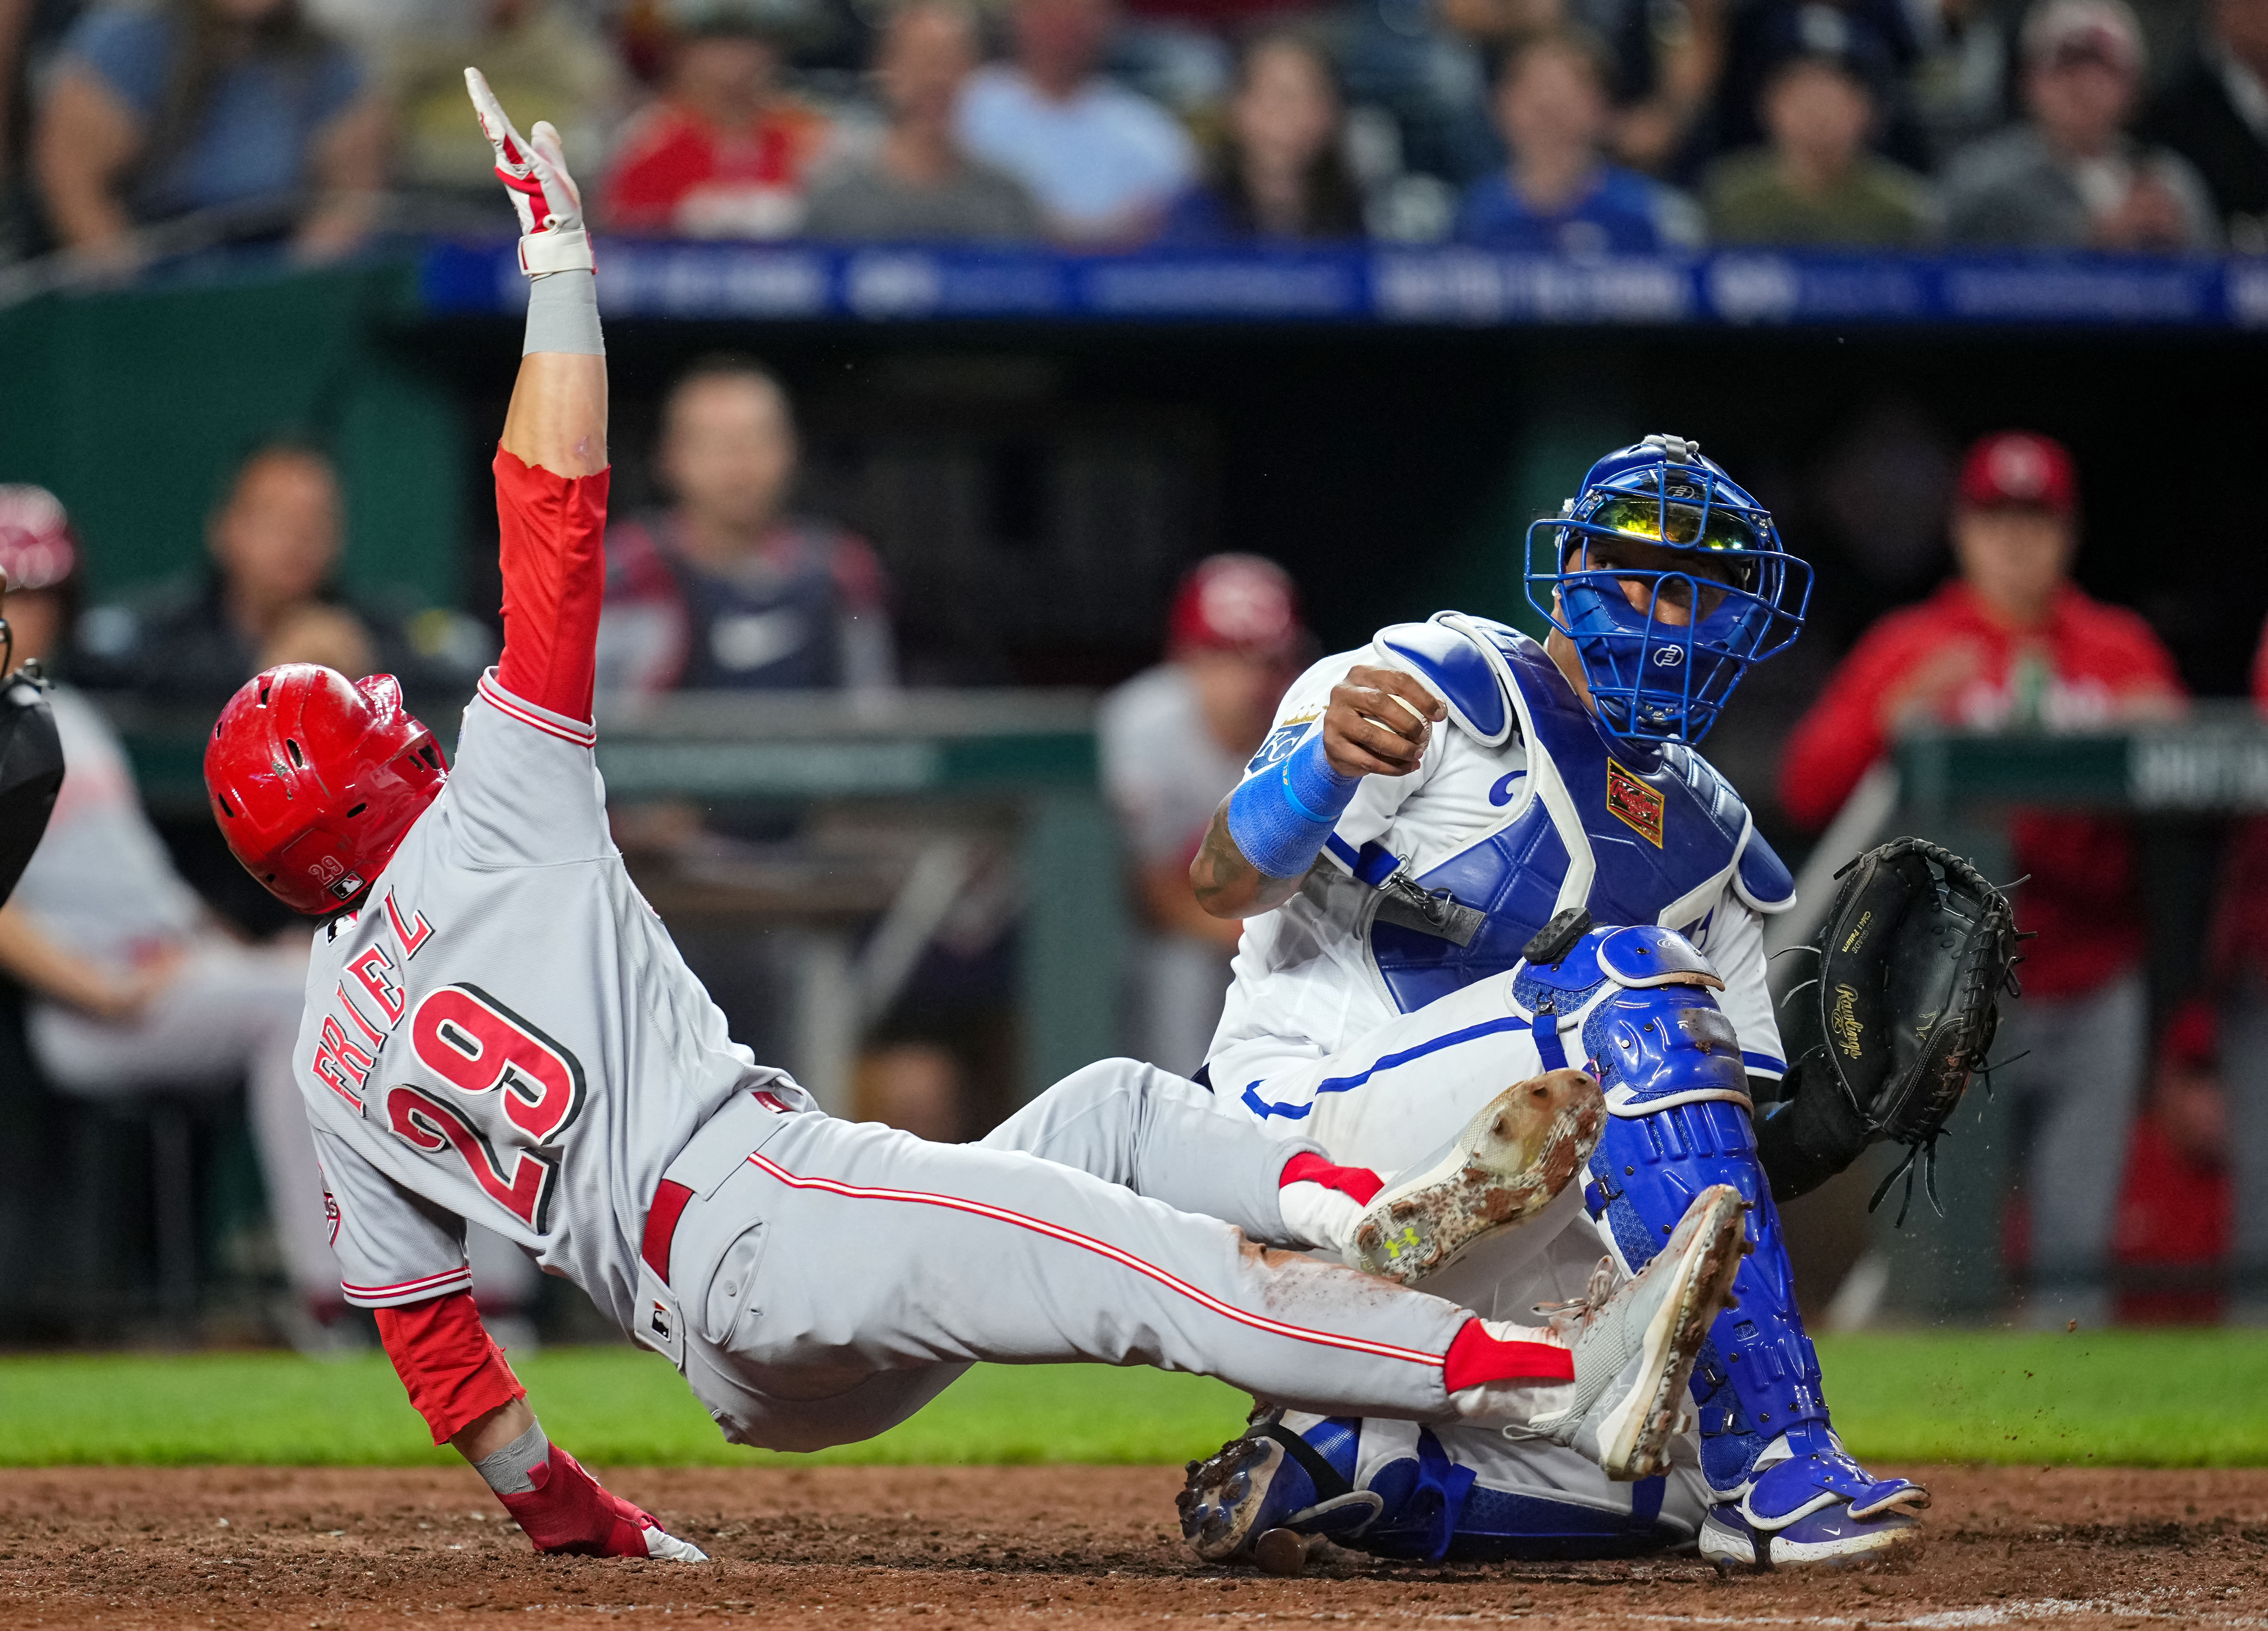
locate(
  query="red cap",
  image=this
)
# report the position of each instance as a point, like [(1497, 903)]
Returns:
[(1236, 603), (36, 551), (2016, 468)]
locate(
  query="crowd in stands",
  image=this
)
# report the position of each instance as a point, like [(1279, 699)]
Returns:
[(1580, 127)]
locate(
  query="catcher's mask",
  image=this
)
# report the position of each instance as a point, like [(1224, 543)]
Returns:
[(1744, 595), (314, 779)]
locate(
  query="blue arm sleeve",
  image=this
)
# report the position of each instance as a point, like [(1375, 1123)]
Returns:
[(1280, 817)]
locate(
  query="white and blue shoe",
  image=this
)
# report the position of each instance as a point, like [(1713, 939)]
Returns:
[(1807, 1503)]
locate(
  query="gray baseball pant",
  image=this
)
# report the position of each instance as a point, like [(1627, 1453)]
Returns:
[(829, 1278)]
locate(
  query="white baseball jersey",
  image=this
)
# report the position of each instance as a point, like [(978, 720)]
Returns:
[(505, 1032), (1305, 986)]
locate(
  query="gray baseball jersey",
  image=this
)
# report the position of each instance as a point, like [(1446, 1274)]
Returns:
[(505, 1032)]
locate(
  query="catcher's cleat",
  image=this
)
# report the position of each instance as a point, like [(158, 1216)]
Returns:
[(1269, 1482), (1808, 1503), (1511, 1160), (1634, 1349)]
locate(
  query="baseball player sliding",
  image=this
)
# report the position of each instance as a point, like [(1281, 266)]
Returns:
[(498, 1029)]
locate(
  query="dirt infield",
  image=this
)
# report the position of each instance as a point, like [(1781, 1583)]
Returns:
[(1013, 1546)]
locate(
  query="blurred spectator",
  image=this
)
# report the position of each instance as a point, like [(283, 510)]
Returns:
[(31, 32), (1103, 162), (544, 60), (2174, 1206), (726, 590), (919, 185), (1874, 39), (2215, 115), (724, 153), (1174, 740), (137, 987), (1281, 174), (235, 107), (2014, 644), (268, 597), (1558, 195), (1817, 183), (916, 1087), (1961, 81), (2071, 177), (1667, 65)]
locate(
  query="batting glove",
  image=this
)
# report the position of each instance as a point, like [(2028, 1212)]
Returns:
[(534, 171), (569, 1512)]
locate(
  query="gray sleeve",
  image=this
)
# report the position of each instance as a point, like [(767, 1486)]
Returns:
[(525, 790), (394, 1248)]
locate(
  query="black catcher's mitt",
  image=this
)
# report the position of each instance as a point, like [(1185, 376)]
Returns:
[(1913, 958)]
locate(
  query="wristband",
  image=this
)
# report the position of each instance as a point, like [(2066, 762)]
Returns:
[(563, 314), (1280, 819), (508, 1470)]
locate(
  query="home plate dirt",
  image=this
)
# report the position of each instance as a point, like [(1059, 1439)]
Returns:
[(1030, 1547)]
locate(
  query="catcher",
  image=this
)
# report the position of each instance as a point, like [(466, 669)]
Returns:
[(1417, 851)]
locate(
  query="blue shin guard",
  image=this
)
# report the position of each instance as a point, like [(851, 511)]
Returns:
[(1679, 1122)]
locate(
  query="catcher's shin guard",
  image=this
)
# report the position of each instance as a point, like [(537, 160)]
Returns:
[(1785, 1490)]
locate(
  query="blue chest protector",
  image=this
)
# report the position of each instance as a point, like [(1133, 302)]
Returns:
[(1637, 832)]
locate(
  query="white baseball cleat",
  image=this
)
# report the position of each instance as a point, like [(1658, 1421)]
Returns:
[(1511, 1160), (1634, 1346)]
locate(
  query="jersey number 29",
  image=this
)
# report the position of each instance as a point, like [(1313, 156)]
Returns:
[(499, 1063)]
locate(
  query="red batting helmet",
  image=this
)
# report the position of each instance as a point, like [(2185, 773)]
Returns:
[(314, 779)]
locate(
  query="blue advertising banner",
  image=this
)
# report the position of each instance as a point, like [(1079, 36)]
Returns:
[(1439, 286)]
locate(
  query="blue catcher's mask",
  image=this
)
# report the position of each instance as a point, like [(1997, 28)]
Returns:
[(1659, 514)]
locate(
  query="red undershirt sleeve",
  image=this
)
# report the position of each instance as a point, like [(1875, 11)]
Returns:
[(443, 1353), (551, 545)]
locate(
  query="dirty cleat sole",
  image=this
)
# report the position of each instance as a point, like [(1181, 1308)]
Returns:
[(1704, 1254), (1248, 1490), (1513, 1159)]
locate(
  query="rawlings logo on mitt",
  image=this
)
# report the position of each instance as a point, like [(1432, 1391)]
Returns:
[(1913, 958)]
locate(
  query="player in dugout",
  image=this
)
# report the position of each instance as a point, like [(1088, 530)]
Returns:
[(498, 1029), (1416, 852)]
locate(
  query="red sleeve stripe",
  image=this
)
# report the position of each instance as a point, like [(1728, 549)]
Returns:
[(1104, 1248), (512, 707), (431, 1285)]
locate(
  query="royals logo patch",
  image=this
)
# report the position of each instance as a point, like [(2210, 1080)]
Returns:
[(1634, 803), (1280, 742)]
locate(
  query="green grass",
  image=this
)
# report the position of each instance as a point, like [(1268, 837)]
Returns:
[(2144, 1398)]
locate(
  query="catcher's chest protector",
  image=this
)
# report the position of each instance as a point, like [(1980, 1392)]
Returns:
[(31, 771), (1637, 833)]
